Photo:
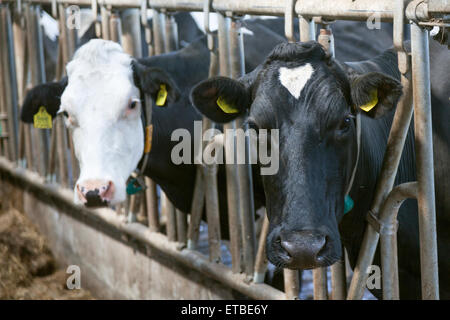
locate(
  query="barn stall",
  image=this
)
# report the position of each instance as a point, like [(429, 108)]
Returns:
[(161, 252)]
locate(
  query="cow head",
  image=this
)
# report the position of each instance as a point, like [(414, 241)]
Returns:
[(101, 102), (313, 102)]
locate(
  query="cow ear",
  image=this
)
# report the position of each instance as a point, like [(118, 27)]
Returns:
[(221, 99), (375, 93), (155, 82), (47, 95)]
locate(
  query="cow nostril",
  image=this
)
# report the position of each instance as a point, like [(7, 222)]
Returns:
[(323, 250)]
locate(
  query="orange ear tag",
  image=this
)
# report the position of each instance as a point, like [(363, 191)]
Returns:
[(148, 138)]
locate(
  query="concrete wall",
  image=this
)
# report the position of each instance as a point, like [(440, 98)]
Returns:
[(111, 269)]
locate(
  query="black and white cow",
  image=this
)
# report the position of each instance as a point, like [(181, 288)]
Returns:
[(313, 100)]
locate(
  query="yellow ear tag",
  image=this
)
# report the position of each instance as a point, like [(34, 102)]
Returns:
[(372, 103), (148, 138), (225, 106), (162, 95), (42, 119)]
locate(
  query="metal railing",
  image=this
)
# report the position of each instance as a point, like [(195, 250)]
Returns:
[(51, 154)]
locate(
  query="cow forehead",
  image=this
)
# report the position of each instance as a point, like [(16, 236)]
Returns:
[(108, 95), (295, 79)]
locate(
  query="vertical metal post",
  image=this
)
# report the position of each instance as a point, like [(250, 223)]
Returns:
[(131, 32), (212, 212), (232, 179), (307, 29), (261, 257), (291, 280), (105, 17), (158, 33), (424, 161), (168, 210), (10, 85), (247, 207), (320, 284), (338, 280), (36, 63), (115, 28), (60, 130), (152, 205), (171, 43), (391, 160)]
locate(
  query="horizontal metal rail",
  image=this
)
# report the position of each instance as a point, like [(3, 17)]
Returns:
[(327, 9)]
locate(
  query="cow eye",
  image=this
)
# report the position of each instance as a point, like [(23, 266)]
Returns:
[(64, 113), (346, 122), (133, 104), (252, 124)]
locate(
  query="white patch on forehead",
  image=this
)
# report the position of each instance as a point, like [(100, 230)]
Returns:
[(295, 79)]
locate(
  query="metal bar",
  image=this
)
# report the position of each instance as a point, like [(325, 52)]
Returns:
[(171, 43), (115, 28), (232, 180), (198, 201), (391, 160), (247, 206), (289, 20), (11, 86), (4, 141), (320, 283), (158, 33), (131, 32), (212, 212), (61, 136), (291, 281), (181, 226), (338, 280), (261, 257), (388, 237), (168, 210), (307, 29), (105, 18), (152, 205), (424, 162), (328, 9)]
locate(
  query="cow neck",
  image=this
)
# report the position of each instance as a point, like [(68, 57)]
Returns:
[(348, 202)]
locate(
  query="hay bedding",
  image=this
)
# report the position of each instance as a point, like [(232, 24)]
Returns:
[(27, 267)]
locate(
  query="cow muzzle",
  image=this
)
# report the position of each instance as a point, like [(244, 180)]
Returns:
[(95, 192), (303, 249)]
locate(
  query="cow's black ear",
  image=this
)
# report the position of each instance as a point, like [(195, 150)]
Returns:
[(375, 93), (47, 95), (221, 99), (155, 82)]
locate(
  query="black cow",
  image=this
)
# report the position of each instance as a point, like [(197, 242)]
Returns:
[(313, 100)]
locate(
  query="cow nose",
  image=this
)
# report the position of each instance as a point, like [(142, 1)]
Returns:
[(95, 192), (306, 249)]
